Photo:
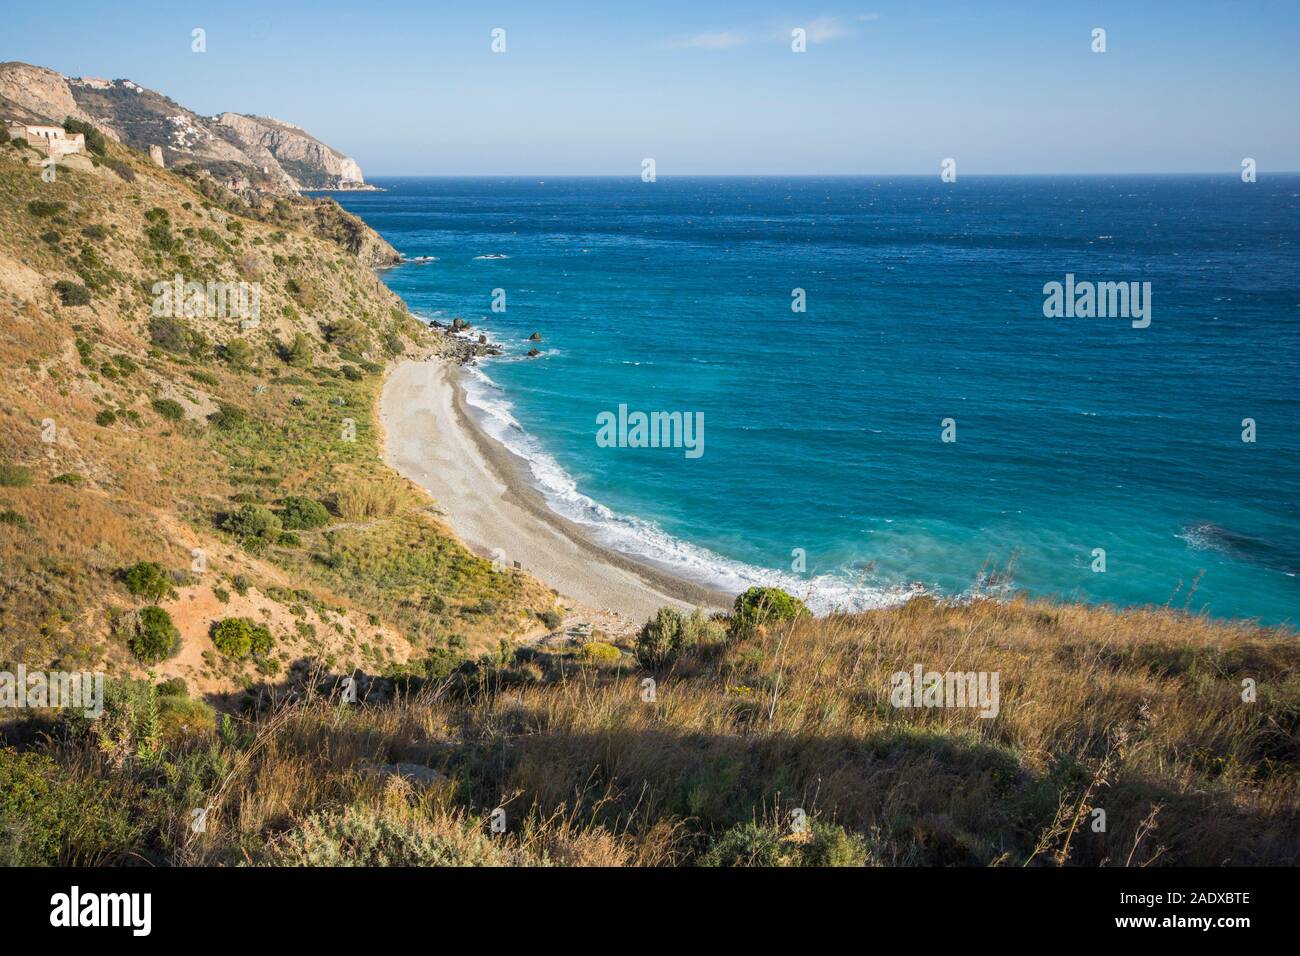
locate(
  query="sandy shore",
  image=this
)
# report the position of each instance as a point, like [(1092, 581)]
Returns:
[(432, 439)]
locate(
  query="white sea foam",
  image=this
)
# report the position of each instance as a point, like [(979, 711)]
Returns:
[(646, 541)]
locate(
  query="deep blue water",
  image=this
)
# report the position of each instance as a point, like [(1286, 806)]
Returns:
[(924, 302)]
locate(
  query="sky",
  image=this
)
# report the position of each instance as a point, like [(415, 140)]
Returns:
[(703, 88)]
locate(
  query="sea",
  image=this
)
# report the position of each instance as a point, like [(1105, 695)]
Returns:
[(889, 401)]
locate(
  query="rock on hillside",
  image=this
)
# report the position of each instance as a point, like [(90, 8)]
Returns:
[(309, 161)]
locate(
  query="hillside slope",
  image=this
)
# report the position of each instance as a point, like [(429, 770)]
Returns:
[(239, 457)]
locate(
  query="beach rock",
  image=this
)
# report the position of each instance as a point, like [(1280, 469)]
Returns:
[(535, 337), (482, 339), (533, 353)]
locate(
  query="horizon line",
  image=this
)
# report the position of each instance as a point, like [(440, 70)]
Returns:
[(1204, 172)]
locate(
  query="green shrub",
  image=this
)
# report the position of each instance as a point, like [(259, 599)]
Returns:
[(288, 539), (233, 637), (44, 209), (14, 476), (297, 352), (752, 844), (237, 637), (760, 607), (240, 584), (181, 719), (228, 417), (253, 525), (156, 638), (148, 580), (599, 652), (49, 817), (221, 594), (174, 687), (299, 513), (94, 231), (105, 417), (551, 618), (261, 642), (238, 354), (169, 409), (14, 519), (72, 293), (348, 334), (170, 334), (663, 638), (67, 478)]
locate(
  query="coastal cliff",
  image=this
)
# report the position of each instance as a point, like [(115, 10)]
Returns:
[(246, 153)]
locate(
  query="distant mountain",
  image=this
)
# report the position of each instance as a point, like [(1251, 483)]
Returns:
[(246, 153)]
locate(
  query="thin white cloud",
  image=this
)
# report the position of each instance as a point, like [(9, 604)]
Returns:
[(721, 40), (825, 29), (818, 30)]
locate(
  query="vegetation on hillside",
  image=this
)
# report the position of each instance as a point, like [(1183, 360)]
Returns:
[(204, 447), (776, 745)]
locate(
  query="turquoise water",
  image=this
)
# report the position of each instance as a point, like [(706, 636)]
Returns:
[(822, 430)]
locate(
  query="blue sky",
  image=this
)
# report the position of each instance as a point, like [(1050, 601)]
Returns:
[(592, 88)]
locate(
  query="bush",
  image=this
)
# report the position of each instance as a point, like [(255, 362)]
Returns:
[(598, 652), (760, 607), (233, 637), (169, 409), (298, 352), (43, 209), (170, 334), (551, 618), (72, 293), (228, 417), (237, 637), (181, 719), (348, 334), (254, 525), (67, 478), (49, 817), (105, 417), (238, 354), (156, 638), (663, 638), (174, 687), (148, 580), (261, 642), (299, 513), (94, 231), (752, 844), (14, 519), (14, 476)]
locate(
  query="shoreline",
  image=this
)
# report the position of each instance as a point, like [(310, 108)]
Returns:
[(431, 437)]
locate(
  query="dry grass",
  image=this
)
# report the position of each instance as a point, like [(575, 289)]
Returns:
[(1139, 714)]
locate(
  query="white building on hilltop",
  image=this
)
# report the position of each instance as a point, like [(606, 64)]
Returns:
[(51, 140)]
